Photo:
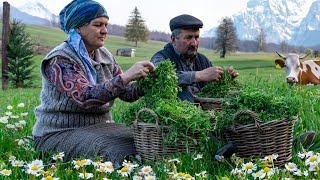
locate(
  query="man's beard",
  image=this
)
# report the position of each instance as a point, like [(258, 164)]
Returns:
[(192, 50)]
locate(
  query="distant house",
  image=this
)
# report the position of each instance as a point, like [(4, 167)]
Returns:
[(128, 52)]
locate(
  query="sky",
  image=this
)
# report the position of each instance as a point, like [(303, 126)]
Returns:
[(157, 13)]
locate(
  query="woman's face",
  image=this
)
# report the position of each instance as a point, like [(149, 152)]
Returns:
[(94, 33)]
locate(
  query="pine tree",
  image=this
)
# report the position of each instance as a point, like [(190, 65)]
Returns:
[(226, 37), (20, 54), (136, 30)]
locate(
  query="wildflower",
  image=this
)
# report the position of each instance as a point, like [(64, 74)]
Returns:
[(270, 158), (313, 161), (259, 175), (305, 154), (85, 175), (24, 114), (35, 167), (150, 177), (236, 171), (14, 116), (21, 105), (129, 165), (174, 160), (124, 172), (179, 175), (97, 163), (9, 107), (146, 170), (10, 126), (6, 172), (49, 178), (4, 120), (108, 167), (199, 156), (291, 167), (300, 173), (106, 179), (135, 177), (8, 113), (12, 158), (219, 158), (16, 163), (58, 156), (269, 171), (249, 167), (188, 177), (202, 174), (81, 163), (20, 142), (23, 122)]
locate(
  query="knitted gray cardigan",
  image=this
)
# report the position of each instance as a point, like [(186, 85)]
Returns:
[(57, 111)]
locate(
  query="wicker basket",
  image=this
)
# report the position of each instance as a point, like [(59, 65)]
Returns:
[(148, 139), (209, 103), (262, 139)]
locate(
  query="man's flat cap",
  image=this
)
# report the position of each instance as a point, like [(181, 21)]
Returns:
[(185, 21)]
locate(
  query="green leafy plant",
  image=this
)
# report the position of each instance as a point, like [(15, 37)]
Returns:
[(181, 117), (224, 87)]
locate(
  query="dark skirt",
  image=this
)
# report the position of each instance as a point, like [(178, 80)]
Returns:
[(112, 141)]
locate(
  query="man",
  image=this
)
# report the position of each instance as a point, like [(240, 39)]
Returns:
[(194, 70)]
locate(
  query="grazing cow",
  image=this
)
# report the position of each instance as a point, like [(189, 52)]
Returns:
[(303, 73)]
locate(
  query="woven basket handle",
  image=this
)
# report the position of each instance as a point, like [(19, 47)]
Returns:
[(150, 111), (256, 118)]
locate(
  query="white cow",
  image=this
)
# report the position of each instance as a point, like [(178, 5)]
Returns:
[(307, 72)]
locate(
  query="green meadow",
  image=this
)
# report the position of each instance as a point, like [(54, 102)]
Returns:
[(255, 71)]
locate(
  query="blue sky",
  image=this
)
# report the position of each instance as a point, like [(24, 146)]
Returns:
[(157, 13)]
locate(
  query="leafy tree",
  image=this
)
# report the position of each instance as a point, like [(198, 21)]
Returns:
[(136, 30), (261, 40), (226, 36), (20, 54), (284, 46)]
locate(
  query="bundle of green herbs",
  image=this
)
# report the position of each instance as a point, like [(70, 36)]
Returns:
[(268, 103), (224, 87), (181, 117)]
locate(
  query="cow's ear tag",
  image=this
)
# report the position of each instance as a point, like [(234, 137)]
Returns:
[(278, 66)]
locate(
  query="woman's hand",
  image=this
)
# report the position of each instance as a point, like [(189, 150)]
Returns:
[(139, 69)]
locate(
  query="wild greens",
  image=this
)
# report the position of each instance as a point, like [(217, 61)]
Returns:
[(181, 117)]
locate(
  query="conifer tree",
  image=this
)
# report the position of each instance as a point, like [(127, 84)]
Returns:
[(136, 30), (20, 56)]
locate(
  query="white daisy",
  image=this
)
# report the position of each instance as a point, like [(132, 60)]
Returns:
[(16, 163), (150, 177), (6, 172), (146, 170), (35, 167), (85, 175), (259, 175), (24, 114), (271, 158), (199, 156), (249, 167), (269, 171), (124, 172), (9, 107), (49, 178), (313, 161), (58, 156), (8, 113), (21, 105), (291, 167), (305, 154), (108, 167), (4, 120)]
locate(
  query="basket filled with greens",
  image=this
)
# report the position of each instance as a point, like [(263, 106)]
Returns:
[(213, 94), (260, 123), (162, 123)]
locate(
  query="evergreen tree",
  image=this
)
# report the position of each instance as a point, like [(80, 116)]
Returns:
[(20, 54), (136, 30), (226, 36)]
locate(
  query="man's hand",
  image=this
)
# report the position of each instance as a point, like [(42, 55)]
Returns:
[(139, 69), (209, 74), (232, 72)]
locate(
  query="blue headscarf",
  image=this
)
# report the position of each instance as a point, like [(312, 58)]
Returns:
[(76, 14)]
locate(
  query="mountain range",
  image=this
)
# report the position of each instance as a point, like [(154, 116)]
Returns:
[(293, 21), (296, 22)]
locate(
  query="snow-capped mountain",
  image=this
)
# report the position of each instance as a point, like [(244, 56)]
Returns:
[(35, 8), (281, 20)]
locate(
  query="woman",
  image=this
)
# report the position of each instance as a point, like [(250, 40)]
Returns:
[(81, 80)]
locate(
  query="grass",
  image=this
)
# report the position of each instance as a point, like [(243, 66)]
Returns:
[(256, 70)]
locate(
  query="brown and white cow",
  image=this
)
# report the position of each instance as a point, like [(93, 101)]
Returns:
[(298, 72)]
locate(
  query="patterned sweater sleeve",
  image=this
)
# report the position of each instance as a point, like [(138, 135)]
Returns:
[(69, 78)]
